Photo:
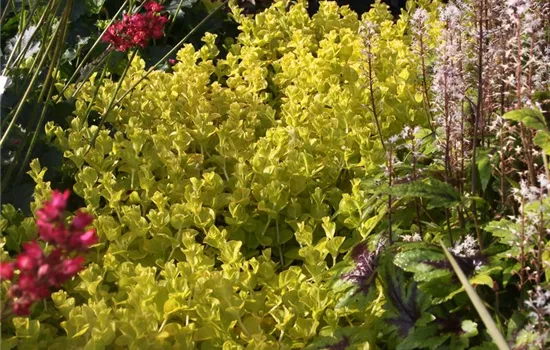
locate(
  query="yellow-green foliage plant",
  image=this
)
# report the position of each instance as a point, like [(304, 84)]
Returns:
[(226, 190)]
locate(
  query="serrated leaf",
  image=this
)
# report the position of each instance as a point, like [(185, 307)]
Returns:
[(438, 193), (504, 229), (426, 264), (94, 6), (175, 7)]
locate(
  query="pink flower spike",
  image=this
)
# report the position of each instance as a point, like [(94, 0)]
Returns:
[(153, 6), (40, 292), (6, 271), (52, 210)]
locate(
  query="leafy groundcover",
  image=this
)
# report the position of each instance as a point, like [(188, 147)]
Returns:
[(289, 189)]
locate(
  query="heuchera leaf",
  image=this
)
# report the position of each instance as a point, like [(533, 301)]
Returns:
[(438, 193)]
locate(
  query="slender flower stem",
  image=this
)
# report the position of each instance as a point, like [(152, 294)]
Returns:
[(29, 88), (169, 30), (50, 87), (390, 170), (79, 67), (5, 12), (113, 98), (522, 270), (379, 129), (428, 104), (524, 132), (20, 37), (478, 115), (416, 200)]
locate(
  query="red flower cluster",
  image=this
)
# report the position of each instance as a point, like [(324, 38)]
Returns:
[(38, 272), (137, 29)]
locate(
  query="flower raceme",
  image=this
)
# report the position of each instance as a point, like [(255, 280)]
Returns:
[(153, 6), (137, 29), (40, 272)]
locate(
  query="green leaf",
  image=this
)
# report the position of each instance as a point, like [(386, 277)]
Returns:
[(529, 117), (505, 230), (304, 327), (404, 74), (542, 139), (304, 234), (438, 193), (483, 167), (482, 279), (470, 328), (422, 262), (422, 338), (230, 252), (94, 6)]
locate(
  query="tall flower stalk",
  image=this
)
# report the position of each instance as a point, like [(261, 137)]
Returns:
[(40, 269), (369, 36)]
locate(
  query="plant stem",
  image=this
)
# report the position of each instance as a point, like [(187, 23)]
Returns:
[(28, 90), (478, 117), (20, 38), (425, 83), (522, 256), (113, 98), (79, 67), (48, 86)]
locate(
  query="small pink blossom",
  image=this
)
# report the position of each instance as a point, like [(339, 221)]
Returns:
[(6, 271), (39, 272), (136, 30), (153, 6), (25, 263)]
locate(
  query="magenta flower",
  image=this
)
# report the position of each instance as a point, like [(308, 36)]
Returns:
[(6, 271), (53, 209), (137, 29), (39, 272), (153, 6)]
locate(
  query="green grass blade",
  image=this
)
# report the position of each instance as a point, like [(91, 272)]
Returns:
[(498, 339), (79, 67)]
